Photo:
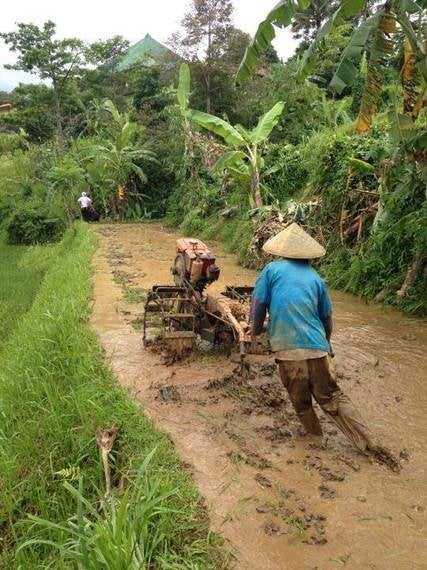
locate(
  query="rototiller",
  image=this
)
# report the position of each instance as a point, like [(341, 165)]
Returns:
[(178, 314)]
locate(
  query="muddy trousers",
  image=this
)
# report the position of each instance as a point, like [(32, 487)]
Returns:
[(315, 378)]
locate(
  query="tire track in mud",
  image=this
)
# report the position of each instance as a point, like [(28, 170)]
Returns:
[(279, 499)]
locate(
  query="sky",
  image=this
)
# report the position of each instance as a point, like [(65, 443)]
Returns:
[(91, 20)]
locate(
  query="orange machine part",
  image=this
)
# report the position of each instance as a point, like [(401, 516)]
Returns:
[(192, 247)]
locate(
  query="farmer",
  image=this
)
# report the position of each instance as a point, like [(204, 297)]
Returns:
[(299, 329), (85, 206)]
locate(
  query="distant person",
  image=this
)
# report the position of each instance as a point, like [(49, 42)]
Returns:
[(85, 204), (299, 329)]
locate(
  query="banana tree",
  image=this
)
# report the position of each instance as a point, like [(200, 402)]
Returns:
[(243, 158), (375, 36), (117, 156), (66, 179)]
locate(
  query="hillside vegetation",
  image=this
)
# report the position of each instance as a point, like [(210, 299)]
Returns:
[(340, 146)]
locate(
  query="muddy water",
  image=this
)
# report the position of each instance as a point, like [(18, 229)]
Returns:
[(281, 501)]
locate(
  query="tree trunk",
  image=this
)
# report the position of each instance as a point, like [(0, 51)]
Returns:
[(255, 188), (58, 118), (208, 72), (69, 209), (208, 92)]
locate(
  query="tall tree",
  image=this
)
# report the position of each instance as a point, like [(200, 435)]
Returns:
[(107, 52), (39, 52), (206, 28)]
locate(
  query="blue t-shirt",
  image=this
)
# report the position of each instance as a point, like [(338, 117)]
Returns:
[(297, 301)]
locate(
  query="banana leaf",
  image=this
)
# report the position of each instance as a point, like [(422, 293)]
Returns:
[(232, 158), (347, 69), (217, 126), (401, 127), (183, 92), (361, 165), (381, 48), (267, 123), (281, 16)]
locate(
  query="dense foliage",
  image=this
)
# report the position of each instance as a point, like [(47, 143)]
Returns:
[(131, 142)]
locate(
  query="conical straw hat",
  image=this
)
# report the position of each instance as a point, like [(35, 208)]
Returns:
[(293, 242)]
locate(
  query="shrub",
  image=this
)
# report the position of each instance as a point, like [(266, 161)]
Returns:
[(291, 177), (193, 223), (10, 142), (29, 226), (5, 211)]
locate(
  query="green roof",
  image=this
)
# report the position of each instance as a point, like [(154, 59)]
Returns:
[(148, 51)]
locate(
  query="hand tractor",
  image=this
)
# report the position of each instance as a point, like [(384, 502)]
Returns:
[(177, 314)]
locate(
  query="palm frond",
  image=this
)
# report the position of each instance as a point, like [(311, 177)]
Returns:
[(280, 16), (348, 67), (347, 9)]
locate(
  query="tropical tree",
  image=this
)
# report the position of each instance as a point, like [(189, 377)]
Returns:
[(66, 180), (113, 161), (243, 158), (107, 52), (206, 30), (183, 98), (60, 61), (307, 22), (39, 52), (32, 111), (376, 37)]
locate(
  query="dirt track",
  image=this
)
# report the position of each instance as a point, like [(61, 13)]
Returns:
[(281, 500)]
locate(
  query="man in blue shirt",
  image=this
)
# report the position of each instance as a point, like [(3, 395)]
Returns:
[(299, 328)]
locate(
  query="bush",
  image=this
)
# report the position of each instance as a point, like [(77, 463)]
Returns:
[(193, 223), (5, 211), (292, 177), (10, 142), (29, 227)]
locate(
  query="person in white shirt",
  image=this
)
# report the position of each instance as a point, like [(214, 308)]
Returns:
[(85, 205)]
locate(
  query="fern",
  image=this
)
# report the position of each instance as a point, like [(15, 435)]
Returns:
[(71, 473)]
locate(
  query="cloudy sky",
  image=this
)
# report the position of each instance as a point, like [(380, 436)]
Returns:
[(91, 20)]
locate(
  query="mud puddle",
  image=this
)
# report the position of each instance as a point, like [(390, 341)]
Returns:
[(281, 500)]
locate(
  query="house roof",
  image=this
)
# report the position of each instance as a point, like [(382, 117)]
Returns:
[(5, 107), (147, 51)]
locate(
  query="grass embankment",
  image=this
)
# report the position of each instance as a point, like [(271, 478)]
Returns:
[(55, 392), (21, 271)]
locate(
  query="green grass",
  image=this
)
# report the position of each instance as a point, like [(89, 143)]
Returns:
[(134, 295), (55, 392), (21, 272)]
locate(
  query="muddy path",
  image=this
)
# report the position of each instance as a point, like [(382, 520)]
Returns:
[(280, 500)]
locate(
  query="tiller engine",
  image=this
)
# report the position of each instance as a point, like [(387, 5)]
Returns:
[(194, 265)]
